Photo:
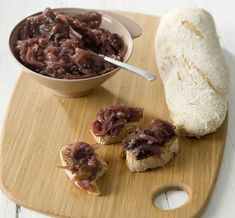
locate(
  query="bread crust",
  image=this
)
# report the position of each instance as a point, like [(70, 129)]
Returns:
[(167, 153), (193, 71), (106, 140), (73, 175)]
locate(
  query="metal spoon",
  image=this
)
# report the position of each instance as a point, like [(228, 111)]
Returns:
[(131, 68)]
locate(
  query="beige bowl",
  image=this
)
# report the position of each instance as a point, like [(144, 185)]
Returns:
[(78, 87)]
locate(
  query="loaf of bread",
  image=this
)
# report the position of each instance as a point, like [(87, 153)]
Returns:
[(193, 71)]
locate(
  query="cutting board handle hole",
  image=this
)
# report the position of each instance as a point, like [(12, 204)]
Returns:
[(169, 198)]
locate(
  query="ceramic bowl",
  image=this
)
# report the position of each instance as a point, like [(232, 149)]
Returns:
[(79, 87)]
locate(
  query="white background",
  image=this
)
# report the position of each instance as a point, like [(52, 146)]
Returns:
[(222, 203)]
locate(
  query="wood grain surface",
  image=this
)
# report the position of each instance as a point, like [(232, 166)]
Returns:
[(39, 123)]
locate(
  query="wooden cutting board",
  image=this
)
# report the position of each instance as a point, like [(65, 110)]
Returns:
[(39, 123)]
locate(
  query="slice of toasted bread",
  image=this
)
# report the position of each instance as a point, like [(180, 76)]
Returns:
[(105, 140), (73, 176), (167, 153)]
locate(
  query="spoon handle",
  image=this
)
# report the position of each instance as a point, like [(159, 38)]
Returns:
[(131, 68)]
